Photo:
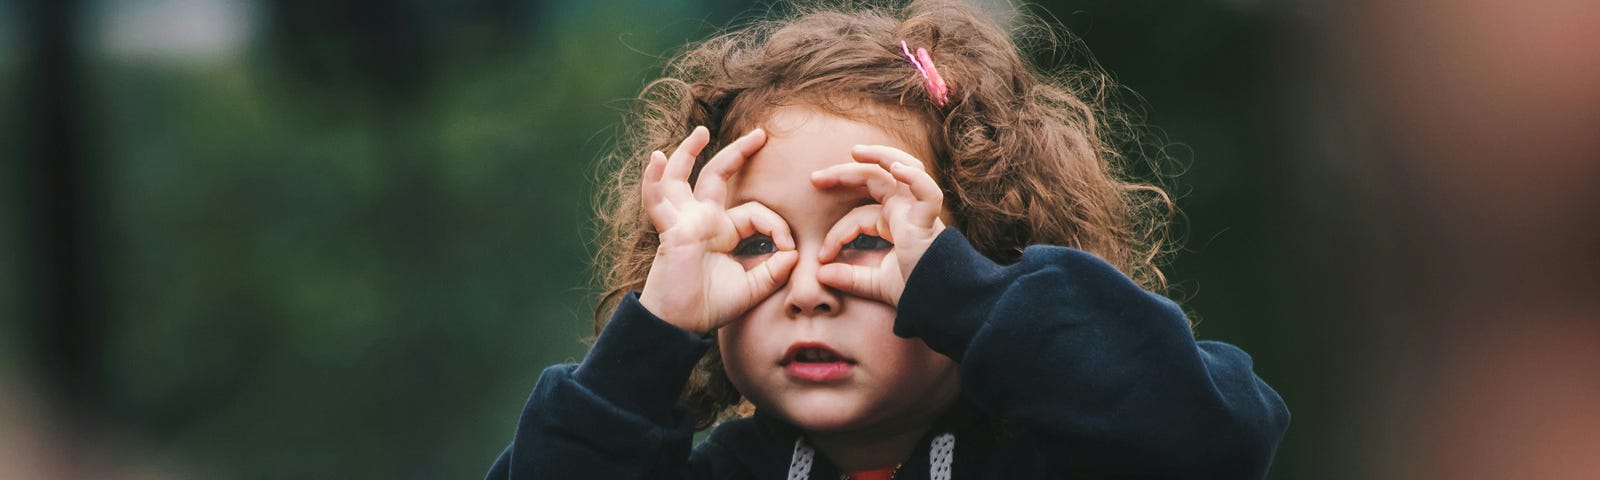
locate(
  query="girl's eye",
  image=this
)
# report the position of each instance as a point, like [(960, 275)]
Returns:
[(755, 245), (868, 242)]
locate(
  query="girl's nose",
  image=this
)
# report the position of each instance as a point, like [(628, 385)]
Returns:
[(806, 296)]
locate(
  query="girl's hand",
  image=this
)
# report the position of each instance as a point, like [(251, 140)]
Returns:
[(698, 281), (906, 219)]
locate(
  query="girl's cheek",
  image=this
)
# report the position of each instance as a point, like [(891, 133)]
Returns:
[(750, 261), (860, 257)]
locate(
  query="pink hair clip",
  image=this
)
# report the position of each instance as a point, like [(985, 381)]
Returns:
[(930, 74)]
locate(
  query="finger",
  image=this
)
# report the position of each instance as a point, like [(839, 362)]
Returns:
[(663, 217), (713, 181), (649, 184), (681, 164), (879, 183), (885, 156), (752, 217), (768, 275), (660, 213), (861, 281), (929, 198), (866, 219), (654, 167)]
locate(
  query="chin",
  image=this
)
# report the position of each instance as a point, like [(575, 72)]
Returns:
[(825, 422), (824, 413)]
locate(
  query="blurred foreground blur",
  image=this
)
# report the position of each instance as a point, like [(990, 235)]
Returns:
[(340, 239), (1466, 135)]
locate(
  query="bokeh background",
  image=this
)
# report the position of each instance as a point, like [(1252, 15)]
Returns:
[(340, 239)]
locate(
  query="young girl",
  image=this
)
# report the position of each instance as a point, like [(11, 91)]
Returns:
[(887, 248)]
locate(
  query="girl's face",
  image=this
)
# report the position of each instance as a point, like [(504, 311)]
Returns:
[(823, 360)]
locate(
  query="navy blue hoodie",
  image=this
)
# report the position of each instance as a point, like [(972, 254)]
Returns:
[(1068, 370)]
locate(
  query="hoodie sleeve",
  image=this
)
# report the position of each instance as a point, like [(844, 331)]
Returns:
[(1107, 375), (615, 415)]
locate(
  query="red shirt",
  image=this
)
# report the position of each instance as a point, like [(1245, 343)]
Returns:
[(879, 474)]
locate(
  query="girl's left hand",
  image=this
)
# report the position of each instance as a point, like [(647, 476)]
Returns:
[(907, 216)]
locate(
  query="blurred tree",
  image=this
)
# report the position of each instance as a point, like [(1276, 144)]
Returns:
[(65, 305)]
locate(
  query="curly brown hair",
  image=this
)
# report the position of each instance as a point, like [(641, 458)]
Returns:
[(1025, 156)]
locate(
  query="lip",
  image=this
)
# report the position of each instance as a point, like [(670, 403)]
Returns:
[(816, 371)]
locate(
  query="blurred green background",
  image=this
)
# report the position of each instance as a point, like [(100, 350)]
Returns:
[(340, 240), (252, 239)]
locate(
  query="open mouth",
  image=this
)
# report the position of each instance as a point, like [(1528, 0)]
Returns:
[(810, 352), (816, 363)]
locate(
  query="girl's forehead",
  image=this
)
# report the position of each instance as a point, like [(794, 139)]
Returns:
[(801, 141), (784, 185), (800, 137), (886, 124)]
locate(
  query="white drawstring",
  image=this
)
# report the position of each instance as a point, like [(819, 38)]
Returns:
[(941, 453), (800, 463)]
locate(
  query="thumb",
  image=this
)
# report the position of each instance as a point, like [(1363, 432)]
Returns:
[(772, 273)]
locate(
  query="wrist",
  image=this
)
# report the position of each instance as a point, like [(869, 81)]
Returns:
[(913, 253), (640, 363), (660, 308)]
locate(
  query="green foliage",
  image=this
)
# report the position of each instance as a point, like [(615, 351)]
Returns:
[(313, 281)]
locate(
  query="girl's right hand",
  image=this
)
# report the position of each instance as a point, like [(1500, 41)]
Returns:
[(697, 280)]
